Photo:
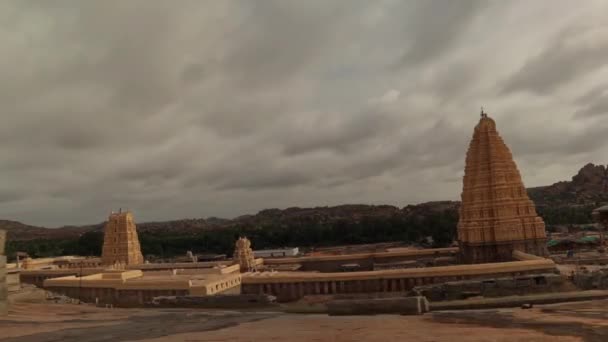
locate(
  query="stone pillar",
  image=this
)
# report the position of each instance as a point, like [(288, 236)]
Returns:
[(292, 291), (310, 288)]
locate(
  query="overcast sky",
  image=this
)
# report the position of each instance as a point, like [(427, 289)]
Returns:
[(183, 109)]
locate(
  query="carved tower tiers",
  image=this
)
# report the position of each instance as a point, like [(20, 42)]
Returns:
[(243, 255), (120, 241), (496, 215)]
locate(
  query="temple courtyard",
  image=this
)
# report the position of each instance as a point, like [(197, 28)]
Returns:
[(582, 321)]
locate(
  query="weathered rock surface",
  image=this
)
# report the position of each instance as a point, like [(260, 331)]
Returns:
[(588, 187)]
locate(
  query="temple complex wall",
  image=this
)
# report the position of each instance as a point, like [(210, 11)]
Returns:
[(37, 277), (291, 286), (194, 271), (59, 262), (366, 261), (136, 288), (111, 296), (522, 256), (325, 263), (180, 265), (13, 282)]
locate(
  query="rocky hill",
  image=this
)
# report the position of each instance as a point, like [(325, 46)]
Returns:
[(350, 212), (19, 231), (281, 217), (588, 188)]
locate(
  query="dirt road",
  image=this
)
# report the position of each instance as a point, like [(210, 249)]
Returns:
[(585, 321)]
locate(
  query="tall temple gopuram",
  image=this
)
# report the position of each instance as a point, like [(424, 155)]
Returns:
[(120, 241), (496, 215)]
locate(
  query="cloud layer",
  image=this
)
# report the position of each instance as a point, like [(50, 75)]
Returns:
[(220, 108)]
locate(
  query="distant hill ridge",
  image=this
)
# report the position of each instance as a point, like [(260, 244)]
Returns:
[(588, 187)]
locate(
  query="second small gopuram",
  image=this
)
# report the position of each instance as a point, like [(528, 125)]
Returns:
[(496, 215)]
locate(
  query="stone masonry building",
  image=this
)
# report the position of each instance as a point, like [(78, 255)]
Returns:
[(120, 242), (496, 215)]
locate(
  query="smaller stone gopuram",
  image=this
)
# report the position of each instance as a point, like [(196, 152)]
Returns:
[(243, 255), (3, 284), (120, 241)]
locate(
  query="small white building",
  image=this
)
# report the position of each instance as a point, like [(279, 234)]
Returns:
[(276, 253)]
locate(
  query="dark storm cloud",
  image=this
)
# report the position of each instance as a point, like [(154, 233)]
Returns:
[(273, 179), (594, 103), (10, 196), (571, 55), (242, 115), (190, 108), (597, 108), (338, 133), (251, 169), (277, 39), (559, 143), (434, 26), (193, 73)]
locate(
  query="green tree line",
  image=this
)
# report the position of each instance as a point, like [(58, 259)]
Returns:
[(441, 227), (166, 244), (566, 215)]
